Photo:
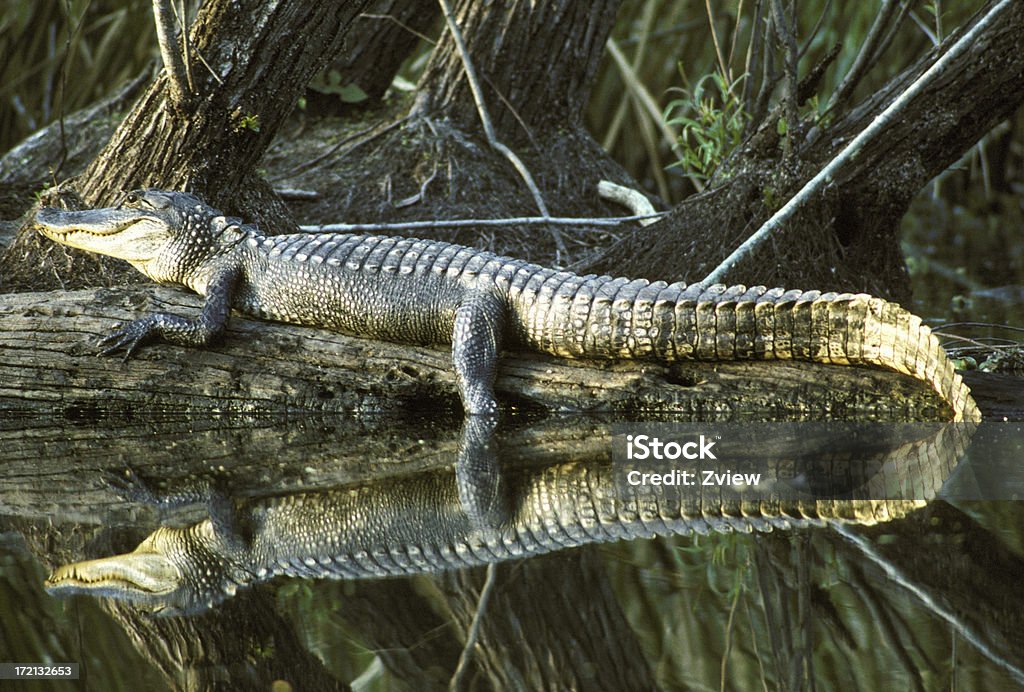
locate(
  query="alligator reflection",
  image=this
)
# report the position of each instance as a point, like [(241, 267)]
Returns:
[(484, 510), (926, 602)]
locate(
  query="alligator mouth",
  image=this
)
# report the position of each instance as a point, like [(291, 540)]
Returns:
[(95, 222), (130, 576)]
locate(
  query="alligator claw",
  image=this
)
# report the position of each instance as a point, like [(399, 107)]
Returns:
[(130, 487), (128, 336)]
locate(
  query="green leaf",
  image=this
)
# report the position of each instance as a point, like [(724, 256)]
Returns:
[(352, 93)]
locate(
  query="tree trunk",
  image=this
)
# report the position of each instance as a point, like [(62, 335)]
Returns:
[(536, 62), (846, 238), (252, 72), (383, 37)]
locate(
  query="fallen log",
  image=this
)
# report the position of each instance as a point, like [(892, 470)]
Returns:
[(49, 363)]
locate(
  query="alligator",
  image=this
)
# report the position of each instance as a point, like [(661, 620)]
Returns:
[(432, 292), (401, 526)]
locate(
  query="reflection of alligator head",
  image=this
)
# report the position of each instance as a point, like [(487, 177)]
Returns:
[(417, 524)]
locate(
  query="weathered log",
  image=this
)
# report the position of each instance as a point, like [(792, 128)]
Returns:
[(48, 362)]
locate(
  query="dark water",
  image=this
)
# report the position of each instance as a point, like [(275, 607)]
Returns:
[(912, 580)]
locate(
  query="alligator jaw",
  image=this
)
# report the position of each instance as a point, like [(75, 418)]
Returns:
[(129, 234), (142, 577)]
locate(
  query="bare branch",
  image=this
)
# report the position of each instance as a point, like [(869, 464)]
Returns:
[(470, 223), (634, 200), (866, 57), (883, 120), (175, 66), (787, 35)]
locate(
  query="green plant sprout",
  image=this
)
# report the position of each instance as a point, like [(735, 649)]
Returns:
[(712, 120)]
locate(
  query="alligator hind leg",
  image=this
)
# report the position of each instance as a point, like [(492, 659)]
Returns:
[(476, 340), (482, 491)]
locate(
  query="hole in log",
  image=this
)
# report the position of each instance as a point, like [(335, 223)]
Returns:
[(684, 377)]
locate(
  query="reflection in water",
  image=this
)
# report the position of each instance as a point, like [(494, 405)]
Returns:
[(558, 484), (482, 512)]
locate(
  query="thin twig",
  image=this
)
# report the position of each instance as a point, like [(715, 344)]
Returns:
[(63, 72), (866, 57), (714, 39), (173, 63), (975, 345), (925, 28), (644, 32), (391, 18), (200, 58), (736, 34), (817, 27), (769, 77), (182, 17), (637, 88), (986, 325), (481, 107), (467, 223), (474, 628), (787, 34), (648, 116), (752, 65), (894, 29), (883, 120)]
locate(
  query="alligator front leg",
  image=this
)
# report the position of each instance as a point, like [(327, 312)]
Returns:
[(176, 329), (476, 340)]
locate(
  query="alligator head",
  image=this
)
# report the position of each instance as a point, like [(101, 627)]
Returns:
[(172, 572), (165, 235)]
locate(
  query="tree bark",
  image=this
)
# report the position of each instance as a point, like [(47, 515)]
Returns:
[(846, 238), (252, 72), (384, 36), (536, 62)]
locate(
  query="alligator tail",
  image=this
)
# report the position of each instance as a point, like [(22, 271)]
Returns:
[(600, 317)]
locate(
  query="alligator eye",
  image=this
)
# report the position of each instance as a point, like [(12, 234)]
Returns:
[(132, 198)]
